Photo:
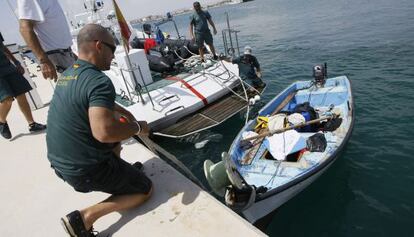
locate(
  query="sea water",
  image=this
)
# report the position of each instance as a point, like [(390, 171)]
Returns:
[(369, 190)]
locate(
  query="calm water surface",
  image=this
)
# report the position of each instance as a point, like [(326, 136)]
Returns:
[(368, 191)]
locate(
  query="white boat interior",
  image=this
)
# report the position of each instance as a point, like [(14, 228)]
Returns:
[(162, 100), (165, 97)]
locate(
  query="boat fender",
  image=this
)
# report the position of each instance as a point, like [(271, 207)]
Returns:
[(253, 100)]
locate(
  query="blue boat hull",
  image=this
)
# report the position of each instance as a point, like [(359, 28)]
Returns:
[(284, 179)]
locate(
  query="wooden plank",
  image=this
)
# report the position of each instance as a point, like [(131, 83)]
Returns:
[(209, 116), (188, 125)]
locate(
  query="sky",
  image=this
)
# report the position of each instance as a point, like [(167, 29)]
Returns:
[(131, 9)]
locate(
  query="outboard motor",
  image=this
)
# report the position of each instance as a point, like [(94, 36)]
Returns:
[(320, 74)]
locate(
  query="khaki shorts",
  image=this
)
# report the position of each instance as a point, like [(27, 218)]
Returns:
[(62, 60)]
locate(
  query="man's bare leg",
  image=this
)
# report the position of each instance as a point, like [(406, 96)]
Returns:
[(112, 204), (5, 107), (25, 108), (212, 49), (201, 51)]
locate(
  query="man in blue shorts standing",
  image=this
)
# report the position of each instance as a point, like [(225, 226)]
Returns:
[(13, 85), (84, 133), (200, 32)]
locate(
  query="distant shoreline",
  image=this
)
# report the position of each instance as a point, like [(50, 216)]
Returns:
[(178, 12)]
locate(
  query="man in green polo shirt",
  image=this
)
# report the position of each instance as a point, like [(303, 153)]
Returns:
[(13, 85), (84, 132), (199, 30)]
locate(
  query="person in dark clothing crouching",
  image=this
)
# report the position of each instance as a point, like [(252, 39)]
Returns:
[(249, 68), (84, 134)]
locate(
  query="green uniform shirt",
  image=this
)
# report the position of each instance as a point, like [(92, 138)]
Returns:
[(199, 20), (5, 65), (72, 149)]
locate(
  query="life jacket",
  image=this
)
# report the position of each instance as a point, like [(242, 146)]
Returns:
[(149, 44)]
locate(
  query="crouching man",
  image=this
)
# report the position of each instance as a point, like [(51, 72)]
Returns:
[(84, 134), (249, 68)]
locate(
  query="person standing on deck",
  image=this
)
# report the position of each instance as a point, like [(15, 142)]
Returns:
[(84, 134), (249, 68), (200, 32), (44, 27), (13, 85)]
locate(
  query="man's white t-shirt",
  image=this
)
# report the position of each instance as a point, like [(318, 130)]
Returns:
[(51, 26)]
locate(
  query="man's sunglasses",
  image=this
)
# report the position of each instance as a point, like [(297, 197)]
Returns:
[(111, 46)]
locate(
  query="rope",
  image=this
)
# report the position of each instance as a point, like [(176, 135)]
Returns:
[(190, 51), (154, 147), (175, 51), (274, 175)]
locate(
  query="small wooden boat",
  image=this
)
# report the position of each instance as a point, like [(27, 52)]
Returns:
[(268, 168)]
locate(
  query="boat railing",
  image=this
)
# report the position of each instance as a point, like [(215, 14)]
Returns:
[(138, 87), (147, 27), (229, 35)]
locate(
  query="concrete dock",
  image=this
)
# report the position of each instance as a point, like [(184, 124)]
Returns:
[(34, 198)]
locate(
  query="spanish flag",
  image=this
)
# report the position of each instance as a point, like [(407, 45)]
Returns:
[(123, 25)]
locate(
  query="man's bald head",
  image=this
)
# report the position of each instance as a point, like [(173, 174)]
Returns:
[(93, 32), (96, 45)]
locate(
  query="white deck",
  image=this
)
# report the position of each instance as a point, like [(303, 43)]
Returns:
[(34, 198), (185, 102)]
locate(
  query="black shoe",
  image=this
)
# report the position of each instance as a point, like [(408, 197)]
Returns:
[(5, 130), (215, 57), (138, 165), (74, 226), (36, 127)]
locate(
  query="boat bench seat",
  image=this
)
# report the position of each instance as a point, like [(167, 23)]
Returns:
[(301, 164)]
